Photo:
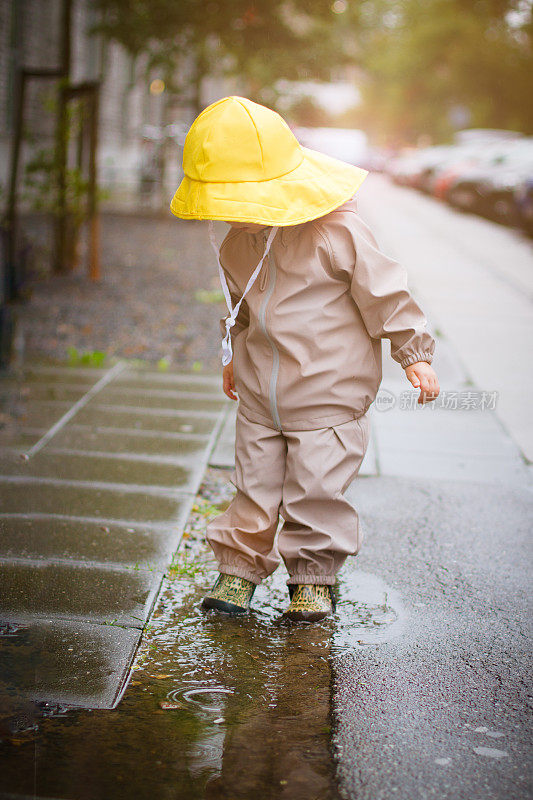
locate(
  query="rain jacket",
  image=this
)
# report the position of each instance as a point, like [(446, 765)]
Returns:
[(306, 343)]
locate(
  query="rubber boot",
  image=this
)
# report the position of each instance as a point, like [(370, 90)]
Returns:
[(310, 602), (229, 594)]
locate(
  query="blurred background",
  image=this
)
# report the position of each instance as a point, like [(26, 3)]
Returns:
[(96, 98)]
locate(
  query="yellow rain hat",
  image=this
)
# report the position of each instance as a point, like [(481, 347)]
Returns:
[(242, 163)]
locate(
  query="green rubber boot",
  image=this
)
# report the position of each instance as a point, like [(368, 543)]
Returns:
[(230, 594), (310, 602)]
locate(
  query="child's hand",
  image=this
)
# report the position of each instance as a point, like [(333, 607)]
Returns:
[(228, 384), (423, 377)]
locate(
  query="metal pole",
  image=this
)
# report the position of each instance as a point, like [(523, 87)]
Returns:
[(94, 219), (61, 138), (11, 211)]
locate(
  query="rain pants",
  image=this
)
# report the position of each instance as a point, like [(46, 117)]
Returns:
[(307, 366)]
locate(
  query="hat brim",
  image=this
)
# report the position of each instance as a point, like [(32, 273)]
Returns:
[(317, 186)]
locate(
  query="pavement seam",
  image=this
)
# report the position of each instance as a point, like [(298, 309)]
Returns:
[(107, 566), (156, 527), (26, 620), (119, 488), (177, 461), (81, 403), (203, 465)]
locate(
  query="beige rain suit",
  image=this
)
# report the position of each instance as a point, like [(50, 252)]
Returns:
[(307, 366)]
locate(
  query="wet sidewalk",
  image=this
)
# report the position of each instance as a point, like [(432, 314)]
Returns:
[(414, 688), (98, 473)]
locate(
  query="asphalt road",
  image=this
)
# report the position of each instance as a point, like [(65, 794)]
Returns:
[(442, 708), (436, 703)]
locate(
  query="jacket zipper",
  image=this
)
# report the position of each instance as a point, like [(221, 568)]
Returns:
[(275, 353)]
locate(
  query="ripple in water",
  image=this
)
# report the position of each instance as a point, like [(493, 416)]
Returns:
[(368, 612)]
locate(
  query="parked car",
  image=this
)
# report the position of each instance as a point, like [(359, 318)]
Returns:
[(489, 172), (501, 190), (524, 204), (485, 135), (410, 167), (486, 182), (458, 183), (460, 160)]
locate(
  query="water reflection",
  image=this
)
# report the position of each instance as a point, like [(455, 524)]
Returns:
[(247, 714), (262, 688), (368, 611), (221, 708)]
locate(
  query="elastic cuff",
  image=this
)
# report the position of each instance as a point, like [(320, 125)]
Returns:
[(315, 580), (238, 572), (427, 356)]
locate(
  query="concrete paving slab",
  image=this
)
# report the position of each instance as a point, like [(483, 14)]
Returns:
[(129, 543), (98, 503), (370, 462), (147, 419), (209, 384), (43, 391), (20, 439), (42, 415), (443, 250), (37, 371), (223, 454), (436, 442), (89, 523), (451, 467), (441, 431), (57, 376), (116, 440), (102, 467), (34, 589), (153, 398), (39, 387), (75, 663)]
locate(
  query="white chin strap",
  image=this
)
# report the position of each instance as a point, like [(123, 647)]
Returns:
[(227, 352)]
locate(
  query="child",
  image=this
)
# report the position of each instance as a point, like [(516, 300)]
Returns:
[(310, 297)]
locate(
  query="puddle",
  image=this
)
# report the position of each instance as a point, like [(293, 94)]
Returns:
[(218, 707), (368, 613)]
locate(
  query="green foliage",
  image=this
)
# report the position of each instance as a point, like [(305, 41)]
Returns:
[(258, 40), (422, 58), (94, 358), (39, 184), (417, 60), (181, 567), (209, 296)]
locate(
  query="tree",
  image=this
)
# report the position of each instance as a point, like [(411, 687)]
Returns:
[(261, 41), (424, 59)]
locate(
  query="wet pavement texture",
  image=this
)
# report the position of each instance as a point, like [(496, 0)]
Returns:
[(444, 709), (95, 489), (218, 707), (419, 687), (430, 654)]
